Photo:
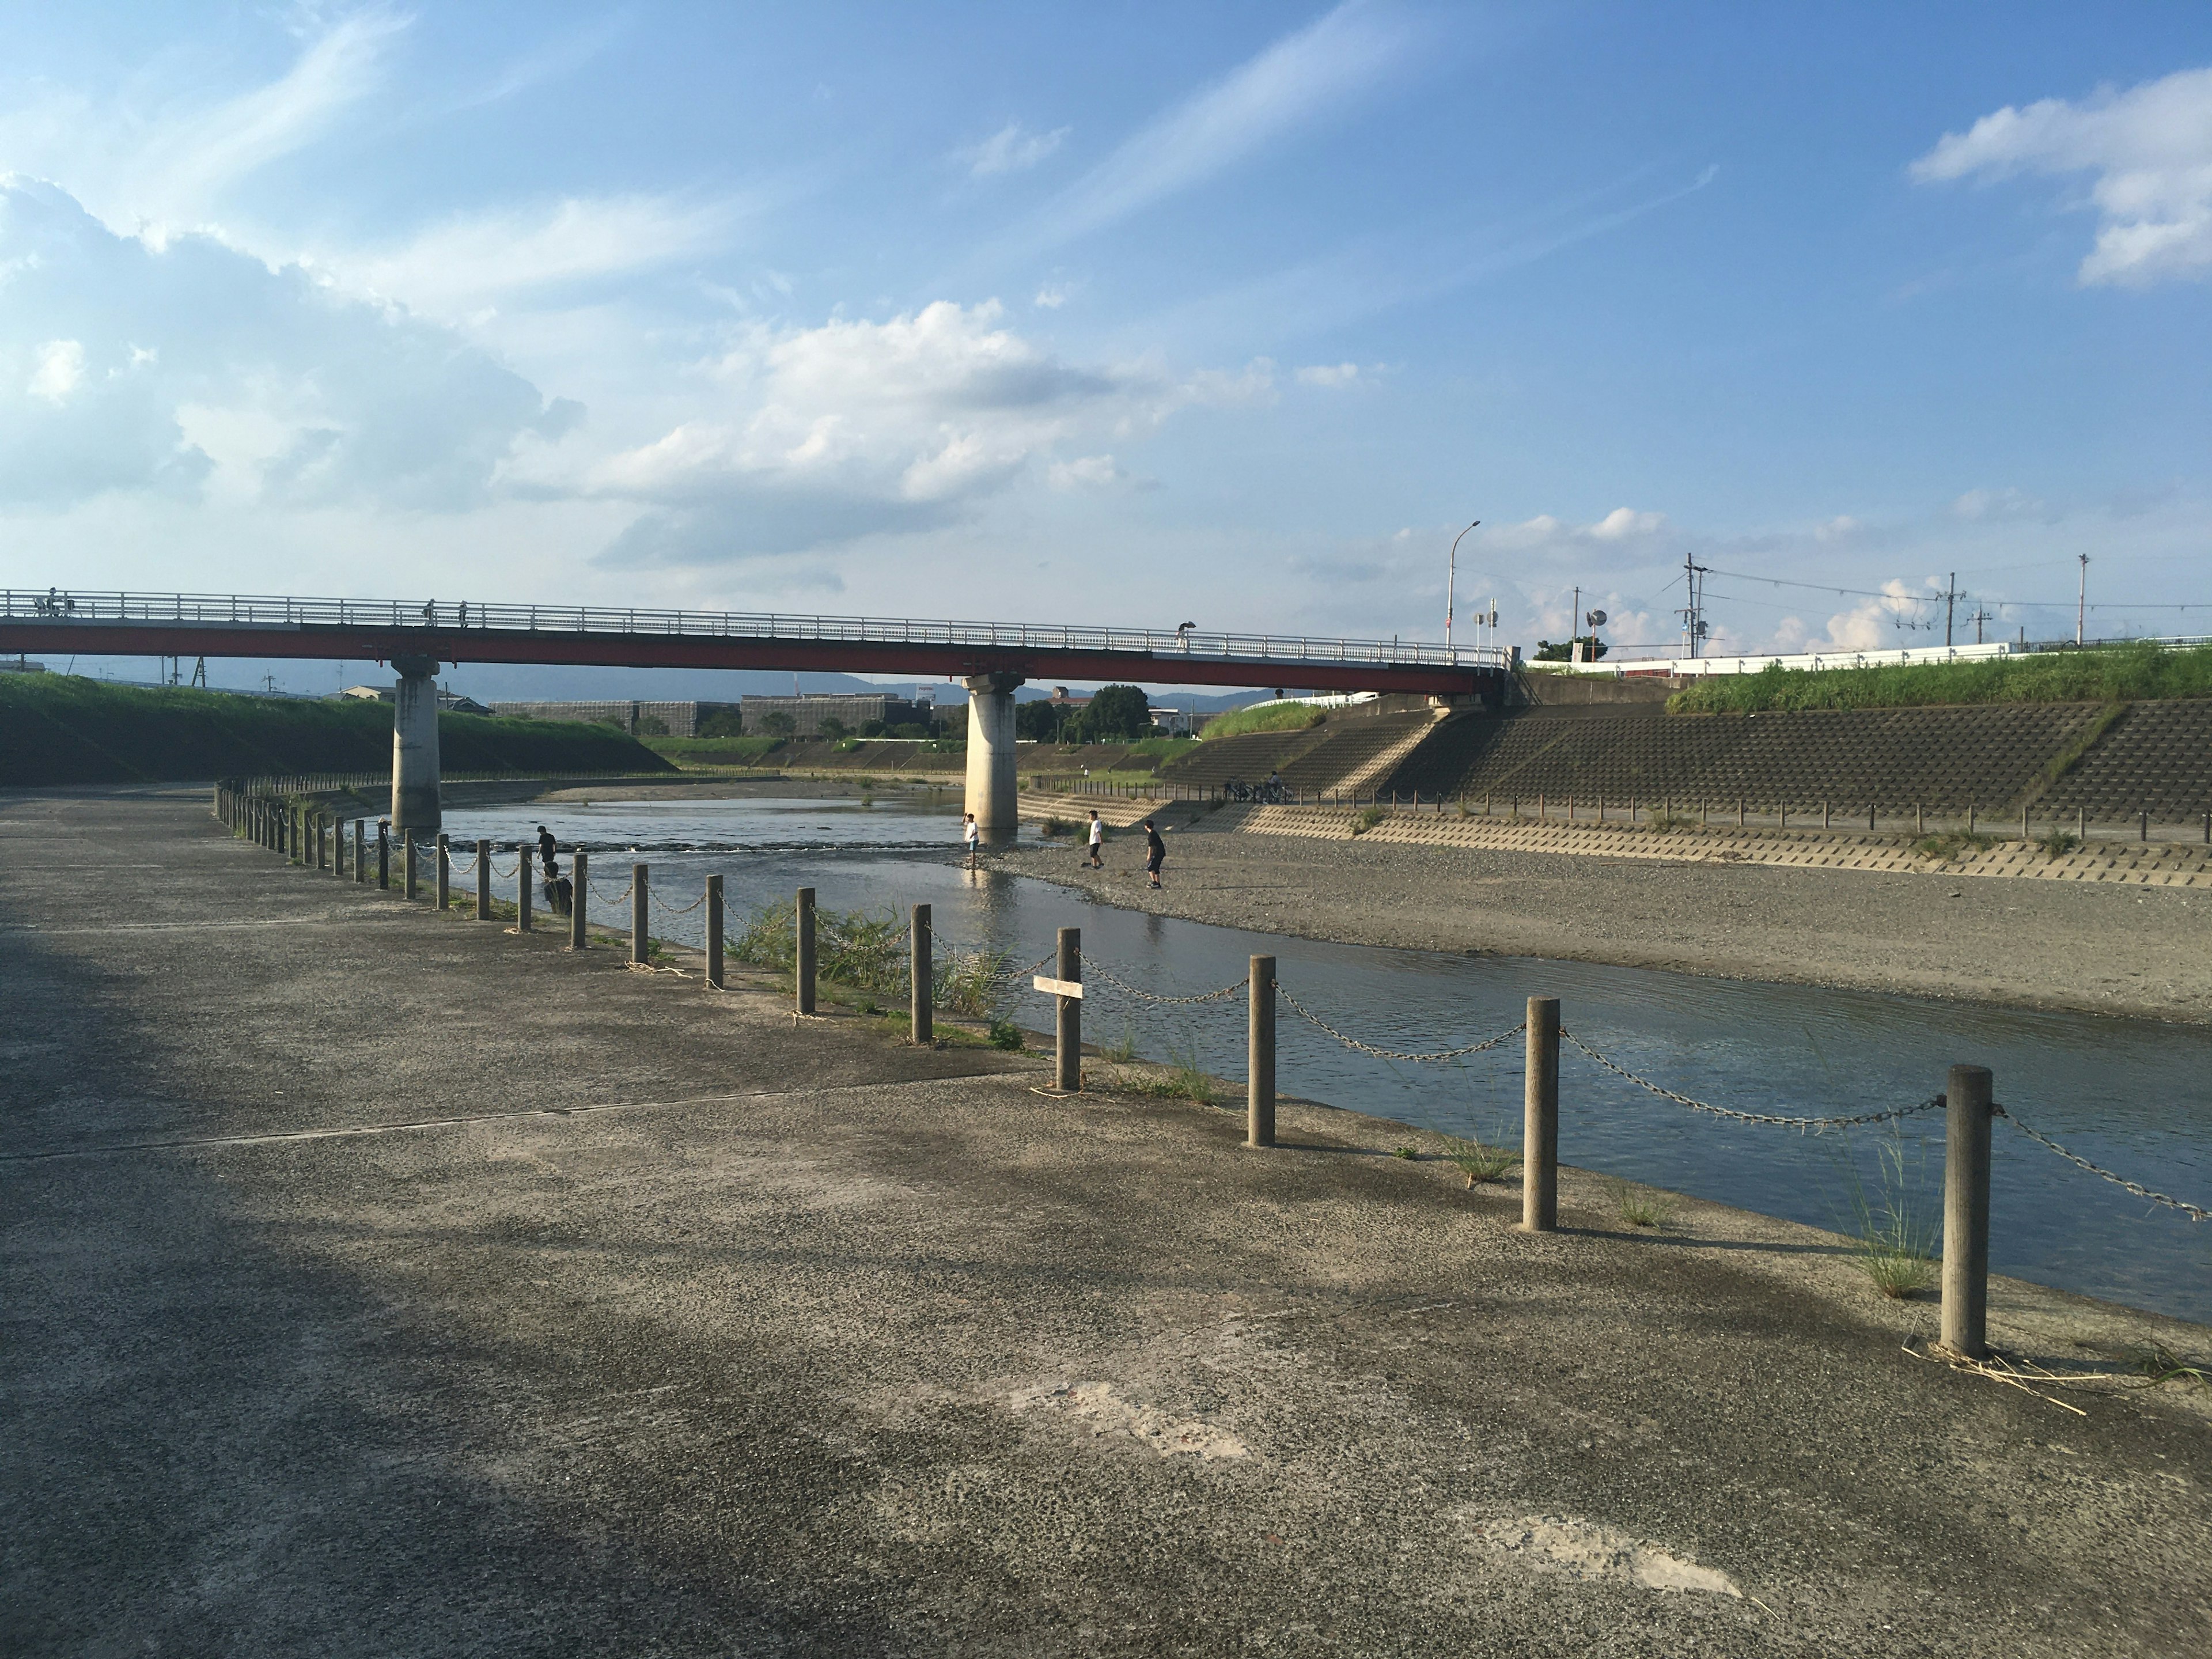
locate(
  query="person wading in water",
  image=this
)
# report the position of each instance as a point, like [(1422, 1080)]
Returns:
[(1156, 852)]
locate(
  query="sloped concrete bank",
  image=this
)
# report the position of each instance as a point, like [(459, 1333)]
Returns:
[(381, 1282)]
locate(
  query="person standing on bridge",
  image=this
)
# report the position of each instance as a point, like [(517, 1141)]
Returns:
[(972, 833), (1098, 840), (1156, 852)]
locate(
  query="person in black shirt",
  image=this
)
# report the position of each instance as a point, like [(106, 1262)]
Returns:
[(546, 849), (1156, 852)]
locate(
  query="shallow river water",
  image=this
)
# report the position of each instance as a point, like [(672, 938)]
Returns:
[(2134, 1096)]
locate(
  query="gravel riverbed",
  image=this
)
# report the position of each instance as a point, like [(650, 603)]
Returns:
[(2143, 951)]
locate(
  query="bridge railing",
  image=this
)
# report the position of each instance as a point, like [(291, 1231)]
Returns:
[(281, 611)]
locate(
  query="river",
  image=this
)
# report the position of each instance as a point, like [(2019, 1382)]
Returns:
[(2134, 1096)]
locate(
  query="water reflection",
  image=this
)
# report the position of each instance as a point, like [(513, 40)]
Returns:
[(2128, 1094)]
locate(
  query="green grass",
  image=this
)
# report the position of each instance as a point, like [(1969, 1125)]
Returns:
[(2058, 843), (2070, 756), (1896, 1232), (59, 728), (1005, 1034), (2159, 1363), (1261, 717), (864, 950), (1479, 1160), (2120, 674), (1641, 1206), (1368, 818), (714, 752)]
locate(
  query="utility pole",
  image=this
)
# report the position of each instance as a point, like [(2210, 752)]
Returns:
[(1451, 579), (1574, 624), (1694, 611), (2082, 599), (1979, 617), (1950, 604)]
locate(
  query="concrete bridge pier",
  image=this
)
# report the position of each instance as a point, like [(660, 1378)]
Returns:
[(991, 779), (417, 808)]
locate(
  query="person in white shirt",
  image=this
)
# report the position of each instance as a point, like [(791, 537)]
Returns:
[(972, 832), (1098, 840)]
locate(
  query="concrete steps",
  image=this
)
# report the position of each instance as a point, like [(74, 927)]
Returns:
[(2156, 864)]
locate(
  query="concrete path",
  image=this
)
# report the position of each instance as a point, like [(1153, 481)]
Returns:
[(483, 1298)]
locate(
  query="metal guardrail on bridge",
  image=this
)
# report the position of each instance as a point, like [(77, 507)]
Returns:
[(277, 612)]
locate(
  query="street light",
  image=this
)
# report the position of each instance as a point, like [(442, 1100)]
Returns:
[(1451, 579)]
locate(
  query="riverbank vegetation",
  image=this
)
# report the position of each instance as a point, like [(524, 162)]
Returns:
[(61, 729), (2118, 675), (1262, 717)]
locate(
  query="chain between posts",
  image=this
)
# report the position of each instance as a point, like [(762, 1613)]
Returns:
[(1815, 1124), (671, 909), (1353, 1043), (602, 897), (1092, 965), (2193, 1212)]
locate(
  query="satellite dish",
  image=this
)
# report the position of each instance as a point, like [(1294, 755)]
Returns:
[(1596, 619)]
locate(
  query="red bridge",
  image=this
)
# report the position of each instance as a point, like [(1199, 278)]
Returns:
[(992, 657)]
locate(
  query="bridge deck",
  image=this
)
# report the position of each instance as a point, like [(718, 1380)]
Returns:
[(237, 625)]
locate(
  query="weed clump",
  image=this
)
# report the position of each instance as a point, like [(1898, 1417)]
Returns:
[(1479, 1161), (2160, 1364), (2058, 844), (1641, 1206), (1895, 1237), (1005, 1034), (1368, 818)]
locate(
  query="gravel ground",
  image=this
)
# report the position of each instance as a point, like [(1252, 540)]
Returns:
[(2032, 943), (383, 1283)]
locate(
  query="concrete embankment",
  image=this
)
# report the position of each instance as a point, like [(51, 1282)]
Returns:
[(382, 1282)]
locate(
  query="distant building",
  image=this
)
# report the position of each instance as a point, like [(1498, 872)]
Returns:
[(22, 665), (851, 709), (450, 702), (639, 720)]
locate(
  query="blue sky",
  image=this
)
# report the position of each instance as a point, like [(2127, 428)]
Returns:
[(1119, 312)]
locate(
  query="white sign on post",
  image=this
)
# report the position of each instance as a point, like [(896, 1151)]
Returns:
[(1059, 987)]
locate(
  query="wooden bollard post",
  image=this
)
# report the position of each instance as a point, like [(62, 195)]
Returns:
[(1540, 1129), (803, 953), (1920, 819), (640, 936), (1739, 812), (1067, 1014), (715, 931), (360, 852), (407, 887), (383, 854), (524, 852), (483, 881), (2143, 830), (2082, 824), (1824, 814), (2023, 823), (1869, 819), (1970, 818), (1260, 1056), (921, 987), (1966, 1212), (445, 877), (579, 899)]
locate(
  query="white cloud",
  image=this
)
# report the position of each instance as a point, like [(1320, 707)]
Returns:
[(829, 434), (1012, 148), (1051, 297), (2150, 150), (1094, 472), (1624, 523), (58, 370), (1329, 375), (162, 172), (173, 369), (1622, 527), (1300, 79), (454, 269)]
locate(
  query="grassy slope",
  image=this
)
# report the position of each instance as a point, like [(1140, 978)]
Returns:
[(57, 729), (1282, 717), (2122, 675)]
